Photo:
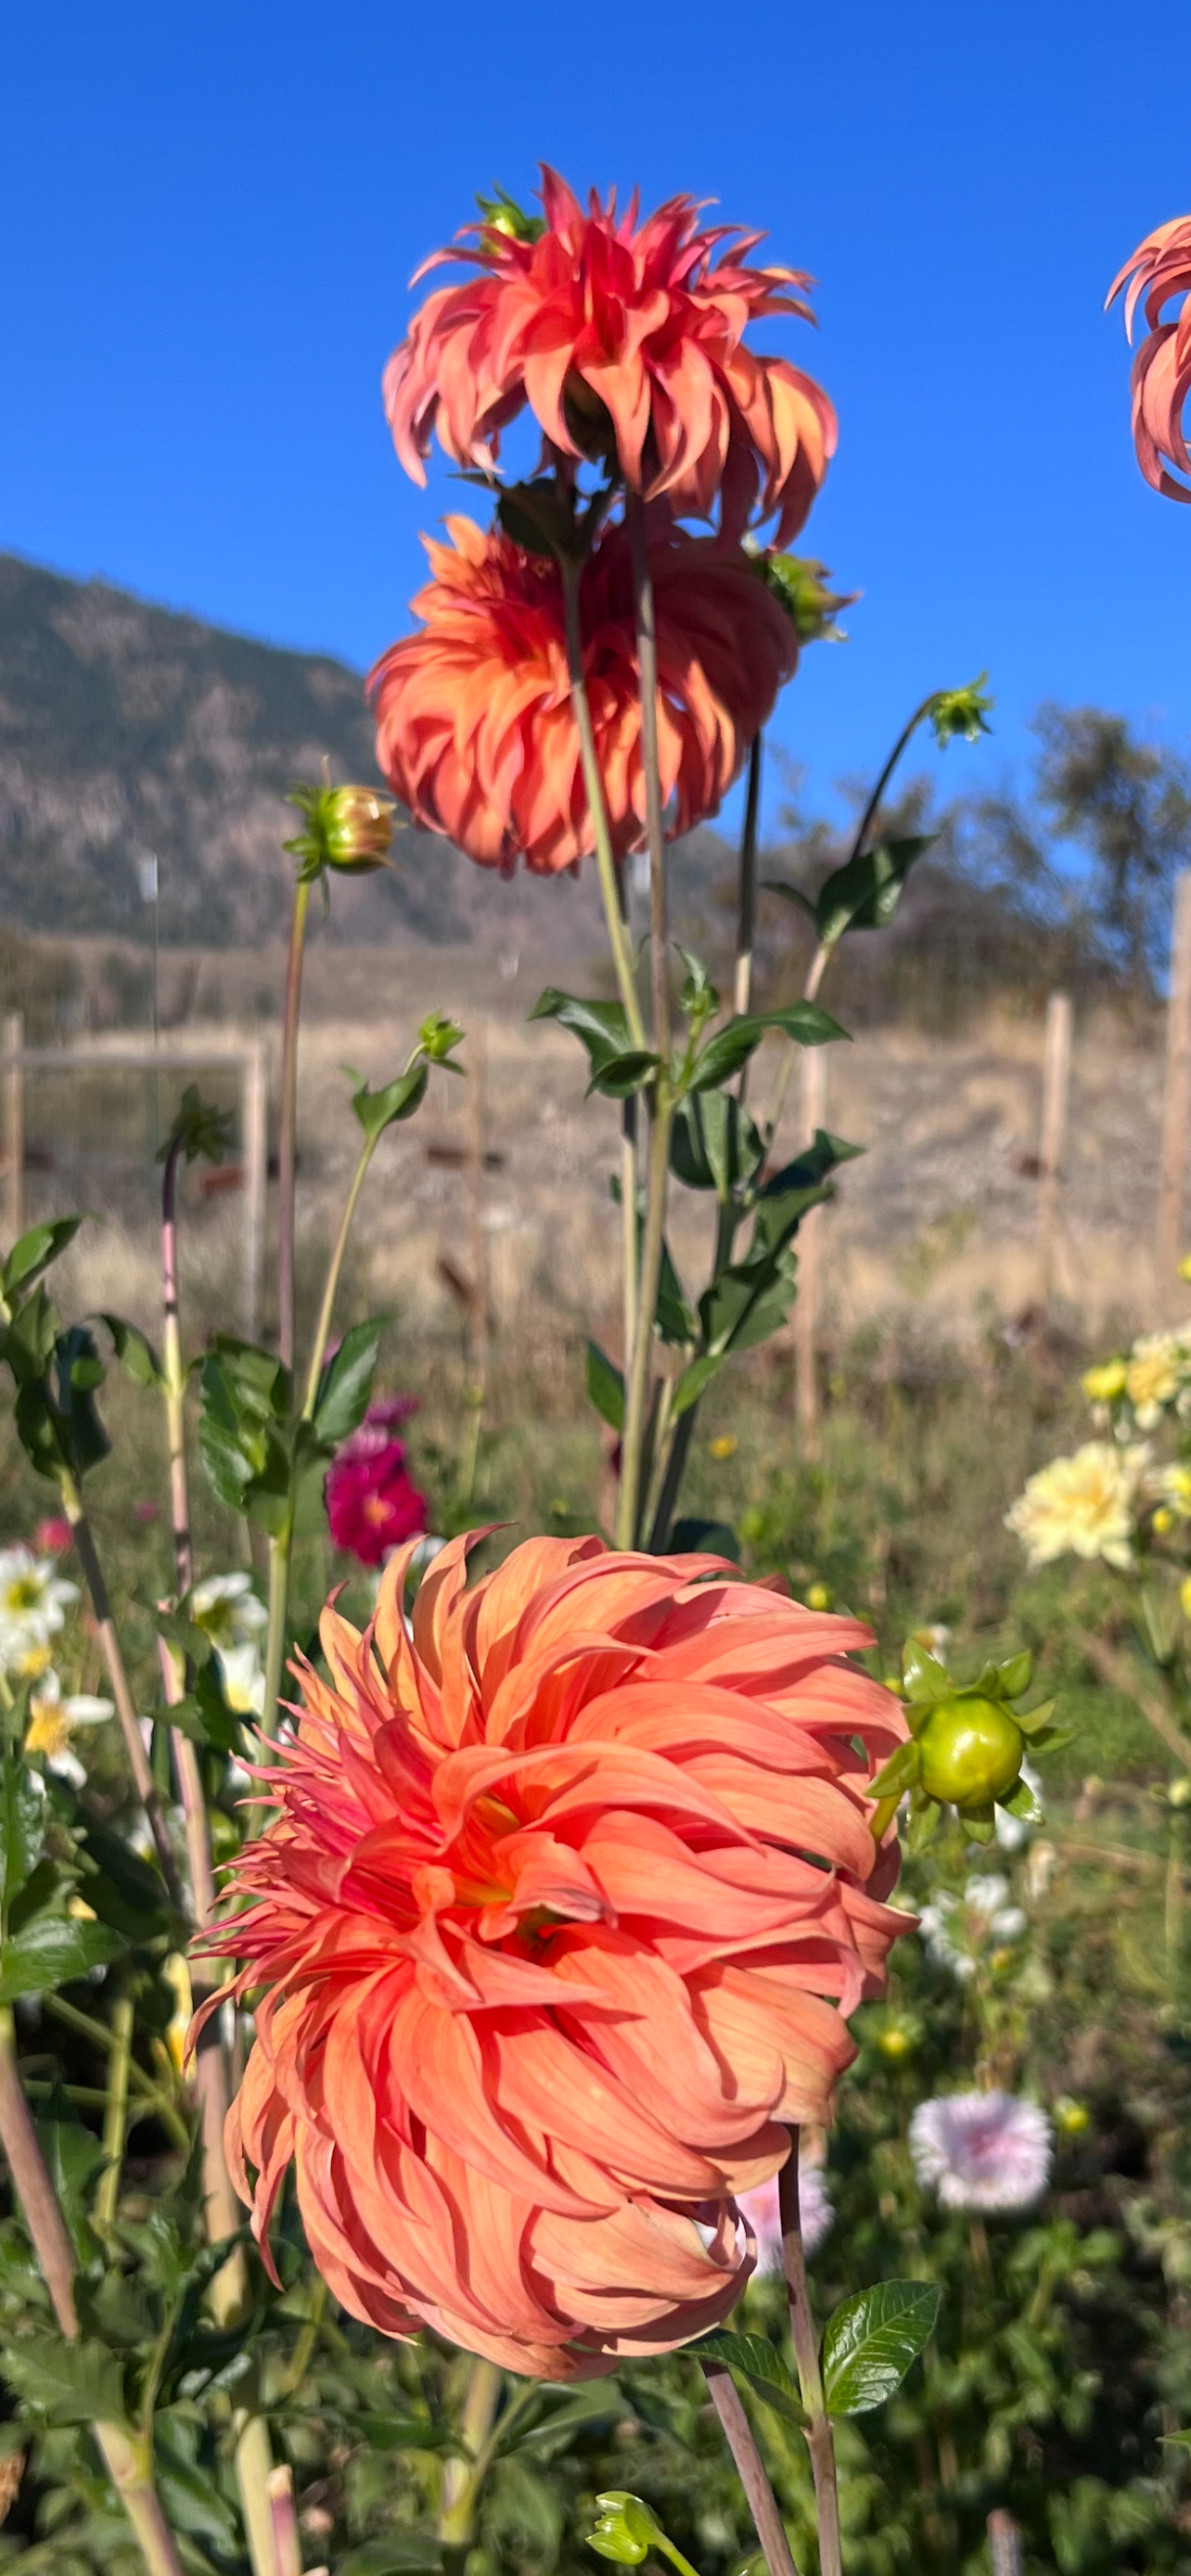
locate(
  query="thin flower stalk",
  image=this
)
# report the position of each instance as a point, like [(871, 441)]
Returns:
[(750, 2469), (460, 2485), (157, 2103), (820, 2440), (609, 876), (746, 898), (288, 1125), (287, 2546), (138, 1759), (115, 2125), (126, 2456)]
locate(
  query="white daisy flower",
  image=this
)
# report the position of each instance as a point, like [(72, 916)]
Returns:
[(34, 1599), (243, 1677), (226, 1608), (52, 1721)]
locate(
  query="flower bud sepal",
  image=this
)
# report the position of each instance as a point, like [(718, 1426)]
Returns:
[(628, 2529), (349, 829), (966, 1746)]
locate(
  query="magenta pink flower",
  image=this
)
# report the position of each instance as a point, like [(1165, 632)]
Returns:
[(52, 1537), (372, 1503)]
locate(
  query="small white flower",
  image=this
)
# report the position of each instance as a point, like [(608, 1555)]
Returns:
[(959, 1929), (227, 1609), (982, 2150), (762, 2210), (243, 1677), (34, 1599), (52, 1721)]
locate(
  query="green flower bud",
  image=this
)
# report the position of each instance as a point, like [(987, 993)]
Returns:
[(970, 1750), (961, 711), (437, 1036), (801, 588), (501, 213), (349, 828), (626, 2530)]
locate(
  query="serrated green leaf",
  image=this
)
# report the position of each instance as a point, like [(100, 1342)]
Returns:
[(23, 1823), (871, 2341), (755, 2360), (51, 1951), (605, 1387), (68, 2383)]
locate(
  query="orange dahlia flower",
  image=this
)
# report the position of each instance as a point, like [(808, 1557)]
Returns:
[(567, 1897), (475, 729), (626, 341), (1159, 268)]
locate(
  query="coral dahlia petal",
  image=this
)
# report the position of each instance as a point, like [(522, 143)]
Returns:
[(549, 1940), (625, 340), (475, 730), (1160, 268)]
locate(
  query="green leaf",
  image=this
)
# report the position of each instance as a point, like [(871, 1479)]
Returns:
[(23, 1822), (346, 1382), (198, 1129), (704, 1538), (1015, 1674), (619, 1076), (123, 1890), (672, 1315), (601, 1027), (605, 1387), (1034, 1722), (134, 1352), (406, 2433), (73, 2157), (864, 895), (402, 2553), (52, 1950), (538, 516), (900, 1772), (246, 1431), (376, 1110), (755, 2360), (68, 2383), (689, 1387), (34, 1252), (871, 2341), (791, 894), (731, 1046), (715, 1144), (54, 1413)]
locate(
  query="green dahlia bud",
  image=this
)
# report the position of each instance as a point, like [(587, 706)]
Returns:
[(626, 2530), (970, 1750), (348, 828)]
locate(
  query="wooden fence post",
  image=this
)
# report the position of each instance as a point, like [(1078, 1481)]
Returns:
[(806, 1309), (1056, 1079), (1004, 2545), (1177, 1095), (14, 1124), (254, 1146), (478, 1240)]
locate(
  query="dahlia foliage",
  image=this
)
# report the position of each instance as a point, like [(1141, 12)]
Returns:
[(566, 1901), (1158, 271)]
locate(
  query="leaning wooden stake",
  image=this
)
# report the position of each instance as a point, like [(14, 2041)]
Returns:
[(1056, 1084), (806, 1310), (14, 1124), (1004, 2545), (1177, 1096)]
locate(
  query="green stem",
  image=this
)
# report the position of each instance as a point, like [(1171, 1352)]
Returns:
[(279, 1556), (115, 2126), (820, 2440), (746, 897), (460, 2485), (647, 661), (750, 2469), (902, 744), (609, 875), (127, 2457), (322, 1330), (636, 1412), (138, 1759), (288, 1125)]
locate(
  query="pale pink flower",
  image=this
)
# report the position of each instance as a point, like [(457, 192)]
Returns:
[(763, 2213), (982, 2150)]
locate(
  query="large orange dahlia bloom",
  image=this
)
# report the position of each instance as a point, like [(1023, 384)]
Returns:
[(567, 1897), (625, 339), (1160, 268), (475, 728)]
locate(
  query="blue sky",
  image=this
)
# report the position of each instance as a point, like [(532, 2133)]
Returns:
[(211, 212)]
